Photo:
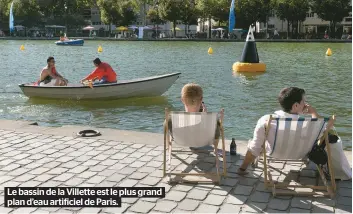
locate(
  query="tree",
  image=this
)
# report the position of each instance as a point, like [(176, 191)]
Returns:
[(153, 15), (331, 10), (188, 14), (27, 13), (4, 15), (128, 10), (207, 10), (222, 12), (118, 12), (169, 10), (110, 12), (251, 11), (293, 11)]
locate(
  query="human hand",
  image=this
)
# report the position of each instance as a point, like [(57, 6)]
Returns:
[(204, 109), (309, 109)]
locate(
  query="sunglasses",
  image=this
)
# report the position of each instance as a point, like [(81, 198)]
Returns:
[(52, 61)]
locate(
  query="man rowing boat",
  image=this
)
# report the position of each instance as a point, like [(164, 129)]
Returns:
[(103, 72)]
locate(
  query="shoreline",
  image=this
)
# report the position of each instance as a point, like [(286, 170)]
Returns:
[(182, 39)]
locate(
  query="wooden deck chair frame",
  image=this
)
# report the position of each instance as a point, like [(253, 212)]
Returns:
[(277, 188), (168, 148)]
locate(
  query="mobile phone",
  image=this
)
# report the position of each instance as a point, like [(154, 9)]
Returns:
[(201, 107)]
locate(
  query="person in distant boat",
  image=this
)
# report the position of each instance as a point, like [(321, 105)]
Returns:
[(50, 77), (104, 73)]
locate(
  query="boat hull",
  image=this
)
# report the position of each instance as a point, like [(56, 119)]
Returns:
[(76, 42), (143, 87)]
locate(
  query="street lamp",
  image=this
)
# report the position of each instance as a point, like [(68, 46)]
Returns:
[(65, 17), (157, 18)]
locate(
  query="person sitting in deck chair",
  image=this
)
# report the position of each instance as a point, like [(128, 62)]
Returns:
[(293, 103), (191, 96), (194, 127)]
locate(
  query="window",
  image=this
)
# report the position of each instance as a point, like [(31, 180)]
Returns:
[(349, 19), (272, 13), (87, 14), (310, 14), (270, 26)]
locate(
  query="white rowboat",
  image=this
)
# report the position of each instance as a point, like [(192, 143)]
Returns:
[(141, 87)]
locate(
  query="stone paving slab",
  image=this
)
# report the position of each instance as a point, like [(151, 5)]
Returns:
[(59, 160)]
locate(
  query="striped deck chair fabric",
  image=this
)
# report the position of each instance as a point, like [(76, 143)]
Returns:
[(194, 129), (295, 138)]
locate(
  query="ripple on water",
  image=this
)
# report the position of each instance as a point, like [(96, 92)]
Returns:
[(245, 98)]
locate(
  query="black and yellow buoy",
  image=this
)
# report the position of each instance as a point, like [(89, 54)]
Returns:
[(249, 61)]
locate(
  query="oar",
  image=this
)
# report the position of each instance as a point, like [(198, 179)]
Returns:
[(90, 82)]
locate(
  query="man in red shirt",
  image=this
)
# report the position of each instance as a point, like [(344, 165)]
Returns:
[(104, 73)]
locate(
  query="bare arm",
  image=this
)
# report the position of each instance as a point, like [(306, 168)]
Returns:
[(59, 75), (44, 74)]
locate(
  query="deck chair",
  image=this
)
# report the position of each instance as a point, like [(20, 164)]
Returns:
[(193, 129), (294, 139)]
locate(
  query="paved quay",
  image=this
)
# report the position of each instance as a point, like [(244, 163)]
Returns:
[(55, 156)]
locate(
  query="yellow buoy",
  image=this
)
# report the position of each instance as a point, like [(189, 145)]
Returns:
[(210, 51), (100, 49), (328, 52), (22, 47), (249, 67)]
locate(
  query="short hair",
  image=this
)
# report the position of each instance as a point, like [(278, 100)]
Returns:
[(97, 61), (192, 94), (289, 96), (50, 58)]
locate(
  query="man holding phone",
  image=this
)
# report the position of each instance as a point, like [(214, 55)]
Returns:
[(293, 103)]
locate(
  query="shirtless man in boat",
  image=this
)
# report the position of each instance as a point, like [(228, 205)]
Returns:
[(104, 73), (50, 77)]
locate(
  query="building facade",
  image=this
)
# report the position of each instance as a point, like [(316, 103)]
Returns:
[(312, 24), (93, 16)]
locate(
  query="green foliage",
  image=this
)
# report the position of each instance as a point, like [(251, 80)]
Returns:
[(188, 13), (292, 10), (250, 11), (27, 13), (207, 8), (119, 12), (222, 12), (169, 10), (331, 10), (153, 15)]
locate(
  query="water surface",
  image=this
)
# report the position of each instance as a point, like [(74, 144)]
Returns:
[(327, 80)]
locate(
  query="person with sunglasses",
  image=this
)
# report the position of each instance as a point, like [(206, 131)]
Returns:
[(50, 77)]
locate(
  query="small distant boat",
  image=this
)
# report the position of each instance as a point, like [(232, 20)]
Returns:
[(71, 42), (141, 87)]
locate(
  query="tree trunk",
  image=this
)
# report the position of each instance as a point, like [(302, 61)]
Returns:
[(266, 28), (333, 31), (185, 29), (174, 25), (203, 24), (209, 27), (287, 29)]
